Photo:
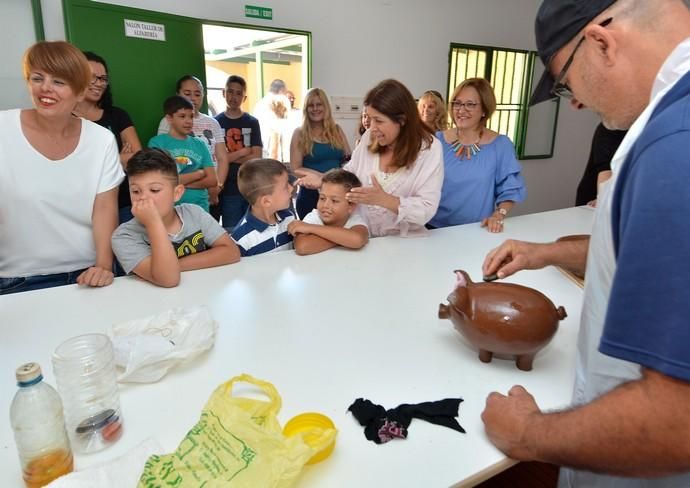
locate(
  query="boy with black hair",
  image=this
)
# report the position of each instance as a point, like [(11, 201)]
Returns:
[(243, 141), (194, 162), (142, 245), (265, 184)]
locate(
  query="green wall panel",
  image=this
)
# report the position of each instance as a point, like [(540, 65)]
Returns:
[(142, 72)]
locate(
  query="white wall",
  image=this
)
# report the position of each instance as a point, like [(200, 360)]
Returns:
[(356, 43), (16, 34)]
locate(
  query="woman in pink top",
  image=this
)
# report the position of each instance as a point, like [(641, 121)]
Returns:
[(399, 162)]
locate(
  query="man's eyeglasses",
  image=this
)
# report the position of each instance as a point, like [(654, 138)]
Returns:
[(103, 80), (469, 106), (561, 89)]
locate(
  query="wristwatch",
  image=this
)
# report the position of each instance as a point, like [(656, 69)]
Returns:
[(502, 211)]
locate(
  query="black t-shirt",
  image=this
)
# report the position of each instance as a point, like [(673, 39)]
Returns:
[(116, 120), (241, 132), (605, 142)]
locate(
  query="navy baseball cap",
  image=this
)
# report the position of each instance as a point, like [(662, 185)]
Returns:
[(558, 21)]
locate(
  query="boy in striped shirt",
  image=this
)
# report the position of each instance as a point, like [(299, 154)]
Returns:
[(264, 183)]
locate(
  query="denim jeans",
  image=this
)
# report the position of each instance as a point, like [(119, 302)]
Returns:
[(28, 283), (233, 208)]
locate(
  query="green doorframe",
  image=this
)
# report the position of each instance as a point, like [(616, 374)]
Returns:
[(38, 20), (306, 34)]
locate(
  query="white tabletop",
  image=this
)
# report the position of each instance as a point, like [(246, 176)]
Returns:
[(325, 330)]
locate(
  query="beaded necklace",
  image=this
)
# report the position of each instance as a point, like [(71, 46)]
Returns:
[(466, 151)]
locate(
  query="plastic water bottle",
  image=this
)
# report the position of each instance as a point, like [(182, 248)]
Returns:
[(39, 428)]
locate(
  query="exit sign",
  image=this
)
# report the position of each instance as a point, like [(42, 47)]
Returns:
[(258, 12)]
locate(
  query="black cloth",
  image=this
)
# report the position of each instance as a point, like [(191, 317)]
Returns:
[(605, 142), (116, 120), (381, 425)]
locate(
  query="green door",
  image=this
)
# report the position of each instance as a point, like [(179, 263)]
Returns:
[(142, 71)]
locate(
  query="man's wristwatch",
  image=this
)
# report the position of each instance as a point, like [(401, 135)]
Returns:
[(502, 211)]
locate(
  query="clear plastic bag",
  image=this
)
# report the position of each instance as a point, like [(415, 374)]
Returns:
[(146, 349)]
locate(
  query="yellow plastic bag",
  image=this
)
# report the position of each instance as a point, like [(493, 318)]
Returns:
[(237, 442)]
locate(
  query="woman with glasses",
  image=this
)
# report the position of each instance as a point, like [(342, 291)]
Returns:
[(97, 106), (58, 180), (482, 176)]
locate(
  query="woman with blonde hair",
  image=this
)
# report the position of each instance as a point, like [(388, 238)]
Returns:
[(59, 176), (432, 111), (364, 124), (482, 176), (316, 147)]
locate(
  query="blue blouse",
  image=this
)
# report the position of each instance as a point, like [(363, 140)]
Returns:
[(473, 187), (323, 157)]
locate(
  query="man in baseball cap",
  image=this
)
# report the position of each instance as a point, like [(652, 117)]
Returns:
[(629, 423), (556, 25)]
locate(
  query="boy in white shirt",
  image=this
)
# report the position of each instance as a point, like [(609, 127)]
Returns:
[(335, 221)]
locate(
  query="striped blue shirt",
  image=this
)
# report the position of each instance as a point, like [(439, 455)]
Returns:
[(254, 236)]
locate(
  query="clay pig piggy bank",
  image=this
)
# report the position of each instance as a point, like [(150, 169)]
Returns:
[(502, 318)]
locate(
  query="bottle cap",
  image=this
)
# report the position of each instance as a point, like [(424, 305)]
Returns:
[(312, 426), (28, 373)]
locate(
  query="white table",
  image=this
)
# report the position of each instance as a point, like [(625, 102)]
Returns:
[(325, 330)]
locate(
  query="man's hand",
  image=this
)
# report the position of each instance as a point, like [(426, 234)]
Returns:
[(513, 256), (95, 276), (508, 420), (145, 211)]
